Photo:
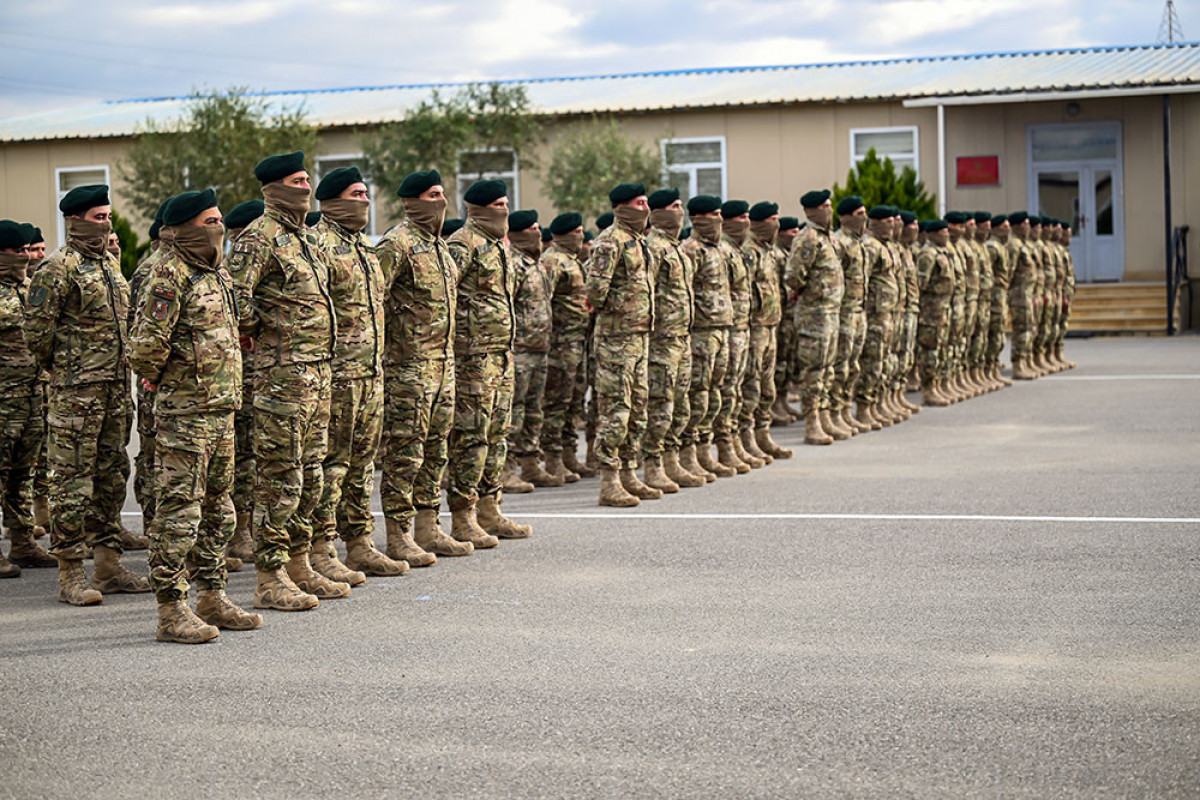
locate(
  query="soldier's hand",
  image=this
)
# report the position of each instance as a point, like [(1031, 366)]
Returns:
[(148, 386), (247, 343)]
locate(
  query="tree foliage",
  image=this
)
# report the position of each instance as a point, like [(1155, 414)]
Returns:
[(876, 181), (590, 158), (454, 135), (217, 143), (131, 251)]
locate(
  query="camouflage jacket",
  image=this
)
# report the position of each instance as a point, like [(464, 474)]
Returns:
[(673, 274), (619, 284), (938, 273), (283, 292), (766, 300), (421, 285), (912, 289), (185, 337), (883, 278), (983, 264), (535, 319), (710, 285), (356, 288), (568, 302), (1021, 266), (853, 257), (155, 254), (739, 282), (485, 321), (970, 267), (78, 317), (998, 256), (18, 373), (814, 274)]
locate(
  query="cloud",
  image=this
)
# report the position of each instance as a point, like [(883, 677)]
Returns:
[(177, 15)]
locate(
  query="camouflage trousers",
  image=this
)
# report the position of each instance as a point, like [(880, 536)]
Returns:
[(622, 394), (846, 369), (1048, 325), (669, 377), (970, 323), (785, 353), (588, 388), (529, 389), (996, 322), (977, 352), (291, 422), (906, 349), (710, 361), (1021, 307), (758, 387), (482, 415), (566, 385), (731, 387), (88, 431), (933, 335), (1064, 316), (21, 437), (876, 360), (41, 469), (816, 344), (954, 344), (244, 473), (348, 471), (418, 414), (193, 476), (143, 462)]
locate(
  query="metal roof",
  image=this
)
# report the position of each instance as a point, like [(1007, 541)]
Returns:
[(1026, 73)]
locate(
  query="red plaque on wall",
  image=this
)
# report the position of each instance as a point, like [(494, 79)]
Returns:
[(978, 170)]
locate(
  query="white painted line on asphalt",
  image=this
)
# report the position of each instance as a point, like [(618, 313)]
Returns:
[(1125, 378)]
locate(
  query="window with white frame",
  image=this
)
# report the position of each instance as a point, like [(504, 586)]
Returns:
[(898, 144), (68, 178), (327, 164), (694, 165), (488, 165)]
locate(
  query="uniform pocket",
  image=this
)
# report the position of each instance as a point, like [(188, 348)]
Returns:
[(277, 429)]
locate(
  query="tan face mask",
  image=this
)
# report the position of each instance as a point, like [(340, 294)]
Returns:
[(631, 219), (291, 201), (349, 213), (528, 241), (785, 240), (707, 228), (14, 265), (765, 230), (736, 229), (89, 238), (200, 245), (909, 234), (493, 220), (571, 242), (854, 223), (426, 214), (667, 220), (822, 216), (882, 229)]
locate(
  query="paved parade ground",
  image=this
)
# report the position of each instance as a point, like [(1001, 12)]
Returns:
[(1000, 598)]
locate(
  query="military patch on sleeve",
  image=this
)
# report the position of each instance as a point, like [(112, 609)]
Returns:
[(342, 250), (806, 251), (159, 308), (84, 268), (420, 248), (165, 292), (282, 239), (37, 295)]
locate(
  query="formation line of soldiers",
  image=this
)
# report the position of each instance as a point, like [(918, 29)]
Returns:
[(271, 382)]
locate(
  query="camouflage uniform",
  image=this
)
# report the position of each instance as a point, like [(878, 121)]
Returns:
[(356, 393), (283, 294), (670, 362), (621, 289), (958, 312), (1021, 292), (726, 424), (185, 340), (531, 345), (143, 462), (786, 339), (983, 305), (245, 474), (909, 313), (1068, 294), (710, 337), (77, 330), (21, 429), (421, 284), (882, 302), (484, 330), (766, 310), (565, 366), (968, 257), (937, 279), (997, 255), (815, 276), (1047, 322), (844, 373)]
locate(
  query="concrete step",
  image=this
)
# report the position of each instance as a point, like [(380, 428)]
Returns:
[(1119, 308)]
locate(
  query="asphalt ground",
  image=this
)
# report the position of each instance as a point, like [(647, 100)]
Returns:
[(996, 599)]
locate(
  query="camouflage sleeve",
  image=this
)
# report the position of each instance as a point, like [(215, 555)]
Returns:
[(799, 263), (47, 292), (391, 262), (247, 263), (600, 272), (154, 323), (461, 255)]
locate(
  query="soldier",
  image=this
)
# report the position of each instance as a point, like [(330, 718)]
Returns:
[(783, 413), (1068, 294), (566, 364), (997, 253), (669, 370), (735, 228), (955, 387), (114, 246), (288, 325), (484, 329), (1021, 294), (41, 471), (76, 330), (710, 337), (846, 368), (530, 347), (588, 387), (983, 323), (356, 396), (185, 339), (882, 301), (766, 264), (894, 382), (937, 278), (911, 310), (421, 286), (620, 287)]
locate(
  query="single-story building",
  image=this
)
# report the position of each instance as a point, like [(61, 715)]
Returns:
[(1079, 134)]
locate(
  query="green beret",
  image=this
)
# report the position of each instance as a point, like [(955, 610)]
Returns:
[(908, 217), (484, 193), (28, 230), (451, 225), (588, 236), (847, 205), (983, 216), (37, 237), (734, 208), (275, 168), (663, 198), (934, 225), (788, 223), (565, 223), (11, 235), (416, 183), (998, 219), (312, 218), (1034, 219), (624, 192), (605, 220), (954, 217), (814, 199), (881, 212), (520, 220), (336, 182), (156, 226), (763, 210), (81, 198), (685, 233), (547, 236), (244, 213), (185, 206), (703, 204), (1017, 217)]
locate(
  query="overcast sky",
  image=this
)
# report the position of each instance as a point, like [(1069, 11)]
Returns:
[(59, 53)]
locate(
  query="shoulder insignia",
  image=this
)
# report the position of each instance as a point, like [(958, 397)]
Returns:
[(83, 268), (165, 292), (37, 294), (195, 276), (158, 310), (283, 239), (483, 248), (342, 250), (242, 247), (420, 248)]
